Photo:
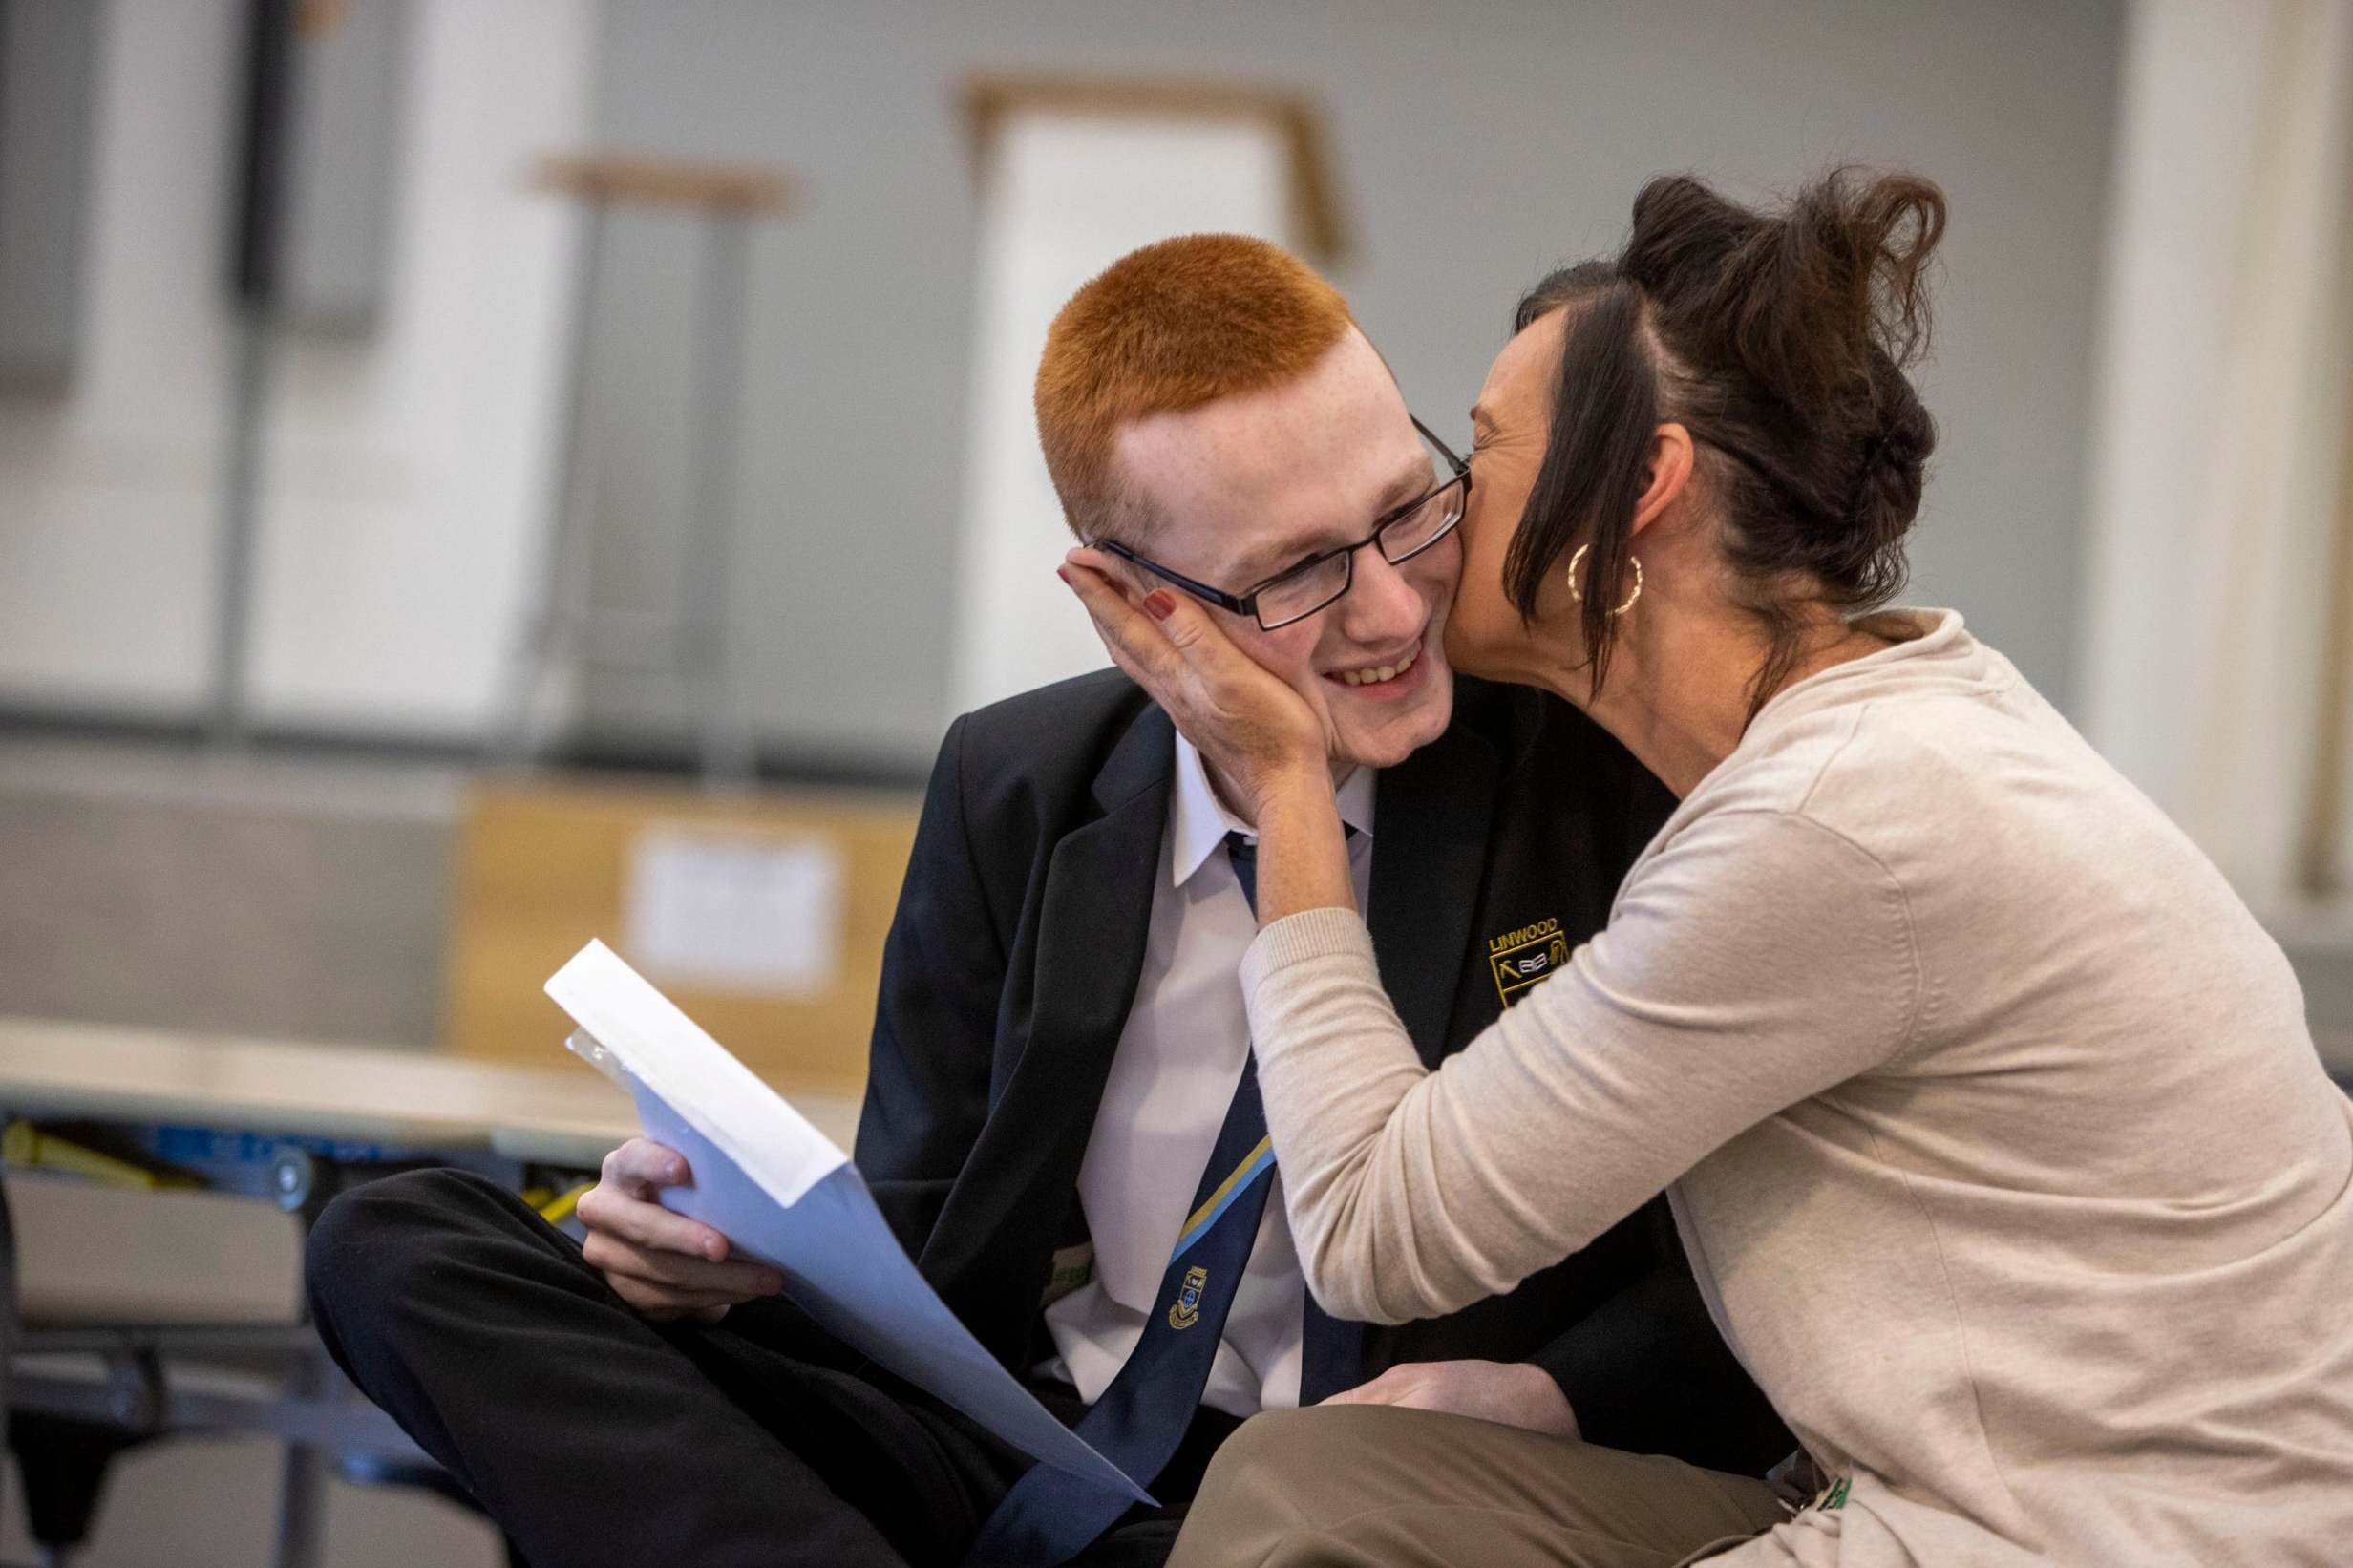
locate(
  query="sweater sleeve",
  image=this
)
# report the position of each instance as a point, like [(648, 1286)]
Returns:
[(1757, 959)]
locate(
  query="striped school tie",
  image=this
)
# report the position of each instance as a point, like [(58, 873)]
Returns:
[(1051, 1515)]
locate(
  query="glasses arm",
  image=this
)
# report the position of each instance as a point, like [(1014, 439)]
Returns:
[(1240, 604), (1444, 450)]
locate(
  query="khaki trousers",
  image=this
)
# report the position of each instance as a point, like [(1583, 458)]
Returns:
[(1373, 1486)]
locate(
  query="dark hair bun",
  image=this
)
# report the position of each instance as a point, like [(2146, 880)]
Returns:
[(1806, 317), (1780, 339)]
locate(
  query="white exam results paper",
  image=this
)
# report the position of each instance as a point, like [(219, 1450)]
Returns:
[(783, 1193)]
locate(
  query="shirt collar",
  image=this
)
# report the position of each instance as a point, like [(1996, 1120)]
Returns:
[(1199, 820)]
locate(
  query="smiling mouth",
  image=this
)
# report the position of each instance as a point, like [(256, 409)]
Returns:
[(1377, 674)]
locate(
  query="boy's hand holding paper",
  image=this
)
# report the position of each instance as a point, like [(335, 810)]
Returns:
[(787, 1198), (662, 1263)]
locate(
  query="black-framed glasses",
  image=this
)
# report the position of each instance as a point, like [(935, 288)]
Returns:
[(1297, 592)]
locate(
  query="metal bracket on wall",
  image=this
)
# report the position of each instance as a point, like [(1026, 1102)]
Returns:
[(49, 62), (563, 636), (316, 175)]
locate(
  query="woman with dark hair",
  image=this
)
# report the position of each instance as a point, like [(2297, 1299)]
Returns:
[(1987, 1111)]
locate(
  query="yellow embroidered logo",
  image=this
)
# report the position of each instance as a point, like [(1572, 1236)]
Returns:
[(1523, 956), (1188, 1308)]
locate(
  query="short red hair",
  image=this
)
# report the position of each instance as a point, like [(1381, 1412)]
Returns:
[(1169, 327)]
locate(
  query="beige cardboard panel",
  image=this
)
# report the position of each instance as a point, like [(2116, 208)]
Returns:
[(543, 868)]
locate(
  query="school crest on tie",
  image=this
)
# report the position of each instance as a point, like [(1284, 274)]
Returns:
[(1188, 1308)]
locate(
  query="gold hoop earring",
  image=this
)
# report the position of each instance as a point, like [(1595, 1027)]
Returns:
[(1630, 598)]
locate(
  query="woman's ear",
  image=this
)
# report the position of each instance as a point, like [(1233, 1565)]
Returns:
[(1671, 460)]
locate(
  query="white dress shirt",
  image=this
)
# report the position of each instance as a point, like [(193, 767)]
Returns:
[(1174, 1076)]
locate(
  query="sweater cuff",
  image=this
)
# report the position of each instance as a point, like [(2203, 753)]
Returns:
[(1300, 939)]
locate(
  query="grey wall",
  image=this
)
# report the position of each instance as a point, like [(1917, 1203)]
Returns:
[(1478, 143)]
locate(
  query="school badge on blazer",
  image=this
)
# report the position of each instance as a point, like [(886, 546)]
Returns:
[(1188, 1308), (1523, 956)]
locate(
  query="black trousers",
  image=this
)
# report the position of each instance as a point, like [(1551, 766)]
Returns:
[(592, 1437)]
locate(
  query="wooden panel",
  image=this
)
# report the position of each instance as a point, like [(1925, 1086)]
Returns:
[(669, 183), (1322, 231), (541, 868), (51, 1070), (552, 1110)]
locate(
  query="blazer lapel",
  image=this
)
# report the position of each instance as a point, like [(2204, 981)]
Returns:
[(1431, 822), (1094, 916), (1093, 921)]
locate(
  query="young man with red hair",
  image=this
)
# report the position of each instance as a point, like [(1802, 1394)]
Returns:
[(1062, 1118)]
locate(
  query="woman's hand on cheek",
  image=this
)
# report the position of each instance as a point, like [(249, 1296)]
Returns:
[(1255, 730)]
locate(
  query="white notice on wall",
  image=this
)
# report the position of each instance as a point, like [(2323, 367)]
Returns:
[(734, 911)]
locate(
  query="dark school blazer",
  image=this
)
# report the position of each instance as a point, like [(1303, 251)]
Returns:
[(1013, 960)]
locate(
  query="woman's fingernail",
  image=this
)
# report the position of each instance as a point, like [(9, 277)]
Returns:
[(1159, 604), (1064, 573)]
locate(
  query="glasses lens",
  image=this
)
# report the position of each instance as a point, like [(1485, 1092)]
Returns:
[(1425, 525), (1304, 592)]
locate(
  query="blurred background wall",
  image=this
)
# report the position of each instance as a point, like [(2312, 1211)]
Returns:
[(1475, 146), (405, 468), (407, 472)]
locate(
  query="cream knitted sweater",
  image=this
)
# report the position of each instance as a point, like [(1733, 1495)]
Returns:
[(1987, 1111)]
